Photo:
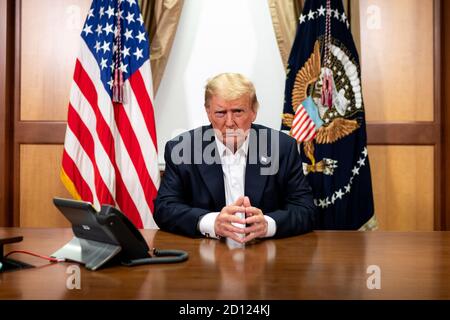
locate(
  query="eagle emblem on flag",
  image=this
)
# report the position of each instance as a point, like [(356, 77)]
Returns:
[(308, 83)]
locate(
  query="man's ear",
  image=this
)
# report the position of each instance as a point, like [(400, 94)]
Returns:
[(255, 113)]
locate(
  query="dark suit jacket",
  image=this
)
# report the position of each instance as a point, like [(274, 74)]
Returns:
[(195, 187)]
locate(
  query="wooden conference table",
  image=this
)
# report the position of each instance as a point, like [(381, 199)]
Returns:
[(318, 265)]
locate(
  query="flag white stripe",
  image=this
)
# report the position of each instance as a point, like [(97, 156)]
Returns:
[(296, 136), (295, 130), (301, 120), (304, 125), (137, 121), (87, 115), (299, 115), (307, 130), (146, 69), (132, 182), (297, 126), (79, 156)]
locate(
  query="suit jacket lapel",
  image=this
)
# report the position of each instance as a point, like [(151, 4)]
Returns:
[(212, 173), (254, 181)]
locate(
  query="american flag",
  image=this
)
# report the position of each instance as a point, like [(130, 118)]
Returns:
[(303, 127), (110, 150)]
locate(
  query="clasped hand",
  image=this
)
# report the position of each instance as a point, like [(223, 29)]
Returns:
[(254, 223)]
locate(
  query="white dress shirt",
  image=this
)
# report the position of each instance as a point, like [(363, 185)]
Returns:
[(233, 167)]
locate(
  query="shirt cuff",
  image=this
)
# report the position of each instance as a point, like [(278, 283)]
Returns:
[(271, 227), (206, 225)]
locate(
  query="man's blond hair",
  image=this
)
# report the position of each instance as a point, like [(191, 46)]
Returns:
[(231, 86)]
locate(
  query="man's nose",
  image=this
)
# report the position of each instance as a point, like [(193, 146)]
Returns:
[(229, 120)]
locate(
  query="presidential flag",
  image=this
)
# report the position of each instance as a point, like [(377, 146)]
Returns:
[(110, 149), (324, 74)]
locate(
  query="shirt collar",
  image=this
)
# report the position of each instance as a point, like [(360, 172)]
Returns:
[(223, 150)]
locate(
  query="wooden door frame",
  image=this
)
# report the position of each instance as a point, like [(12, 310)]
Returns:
[(445, 98), (6, 100)]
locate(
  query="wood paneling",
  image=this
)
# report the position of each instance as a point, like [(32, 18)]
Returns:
[(41, 132), (39, 183), (397, 59), (402, 178), (50, 35), (413, 133)]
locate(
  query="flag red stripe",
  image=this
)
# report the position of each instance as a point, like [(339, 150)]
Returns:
[(87, 87), (304, 124), (126, 203), (144, 102), (71, 169), (304, 132), (299, 115), (296, 136), (84, 136), (309, 133), (301, 119), (134, 150), (300, 112), (123, 197)]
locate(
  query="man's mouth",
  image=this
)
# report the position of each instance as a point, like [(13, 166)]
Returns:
[(233, 133)]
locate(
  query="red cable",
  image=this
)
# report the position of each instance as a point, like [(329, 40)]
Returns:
[(35, 254)]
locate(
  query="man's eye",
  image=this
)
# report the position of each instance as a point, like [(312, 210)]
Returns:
[(220, 114)]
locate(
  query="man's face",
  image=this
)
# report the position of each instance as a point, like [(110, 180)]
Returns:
[(232, 119)]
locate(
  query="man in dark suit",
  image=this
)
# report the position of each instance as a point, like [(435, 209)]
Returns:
[(233, 178)]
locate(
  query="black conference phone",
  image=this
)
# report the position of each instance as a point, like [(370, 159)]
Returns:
[(107, 236)]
